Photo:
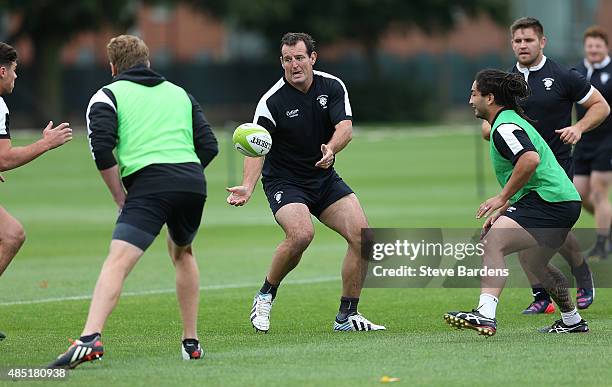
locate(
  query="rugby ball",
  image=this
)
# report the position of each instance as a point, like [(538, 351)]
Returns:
[(252, 140)]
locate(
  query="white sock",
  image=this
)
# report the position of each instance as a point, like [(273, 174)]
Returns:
[(487, 305), (571, 318)]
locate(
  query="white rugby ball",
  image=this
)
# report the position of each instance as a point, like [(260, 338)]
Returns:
[(252, 140)]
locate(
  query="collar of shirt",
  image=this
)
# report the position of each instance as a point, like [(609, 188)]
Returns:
[(591, 67), (526, 70), (599, 65)]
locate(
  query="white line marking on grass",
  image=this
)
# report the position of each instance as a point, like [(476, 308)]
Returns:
[(306, 281)]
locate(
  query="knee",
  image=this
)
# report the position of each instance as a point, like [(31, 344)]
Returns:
[(181, 254), (597, 196), (14, 236), (300, 239)]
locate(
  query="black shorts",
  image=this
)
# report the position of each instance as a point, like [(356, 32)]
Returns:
[(548, 222), (568, 167), (143, 216), (587, 162), (316, 194)]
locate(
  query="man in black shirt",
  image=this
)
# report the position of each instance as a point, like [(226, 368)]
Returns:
[(309, 116), (593, 154), (554, 91)]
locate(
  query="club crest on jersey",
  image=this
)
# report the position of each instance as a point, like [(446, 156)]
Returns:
[(278, 196), (323, 100), (293, 113), (548, 82), (605, 77)]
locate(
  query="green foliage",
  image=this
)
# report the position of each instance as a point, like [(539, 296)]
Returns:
[(60, 20), (363, 20)]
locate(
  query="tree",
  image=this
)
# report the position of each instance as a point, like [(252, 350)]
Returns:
[(50, 24), (364, 21)]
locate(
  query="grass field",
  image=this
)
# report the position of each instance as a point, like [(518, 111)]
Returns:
[(418, 178)]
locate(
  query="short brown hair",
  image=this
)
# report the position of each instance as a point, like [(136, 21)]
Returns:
[(596, 32), (125, 51), (292, 38), (7, 54), (527, 22)]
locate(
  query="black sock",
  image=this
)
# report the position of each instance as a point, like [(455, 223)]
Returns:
[(268, 288), (348, 306), (539, 293), (601, 241), (582, 274), (88, 338)]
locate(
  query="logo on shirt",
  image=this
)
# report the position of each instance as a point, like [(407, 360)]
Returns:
[(605, 77), (323, 101), (548, 82), (511, 209), (292, 113), (278, 196)]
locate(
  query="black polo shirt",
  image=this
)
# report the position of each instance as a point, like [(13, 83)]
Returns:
[(554, 90), (600, 76), (300, 123)]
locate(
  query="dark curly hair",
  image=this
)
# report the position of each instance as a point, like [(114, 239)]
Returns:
[(507, 88)]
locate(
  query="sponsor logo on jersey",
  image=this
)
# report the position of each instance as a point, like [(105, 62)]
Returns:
[(323, 100), (278, 196), (605, 77), (292, 113), (548, 82)]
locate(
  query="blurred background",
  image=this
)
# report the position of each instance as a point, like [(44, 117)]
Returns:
[(402, 61)]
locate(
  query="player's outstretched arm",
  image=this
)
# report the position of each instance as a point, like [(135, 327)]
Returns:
[(13, 157), (240, 195), (340, 139), (522, 172), (597, 109)]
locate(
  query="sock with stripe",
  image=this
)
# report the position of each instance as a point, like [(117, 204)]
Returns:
[(268, 288), (348, 306), (88, 338), (539, 293), (487, 305)]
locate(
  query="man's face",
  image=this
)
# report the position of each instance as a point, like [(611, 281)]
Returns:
[(8, 75), (595, 49), (298, 64), (479, 102), (527, 46)]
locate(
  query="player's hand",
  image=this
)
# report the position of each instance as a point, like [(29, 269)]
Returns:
[(57, 136), (238, 196), (569, 135), (488, 223), (328, 157), (490, 206)]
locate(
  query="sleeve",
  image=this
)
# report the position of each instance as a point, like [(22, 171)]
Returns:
[(339, 105), (4, 121), (101, 120), (263, 115), (511, 142), (579, 88), (204, 140)]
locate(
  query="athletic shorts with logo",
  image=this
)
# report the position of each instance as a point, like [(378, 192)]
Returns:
[(548, 222), (587, 161), (316, 194), (143, 216)]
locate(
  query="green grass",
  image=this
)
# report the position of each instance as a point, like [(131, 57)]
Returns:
[(421, 178)]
